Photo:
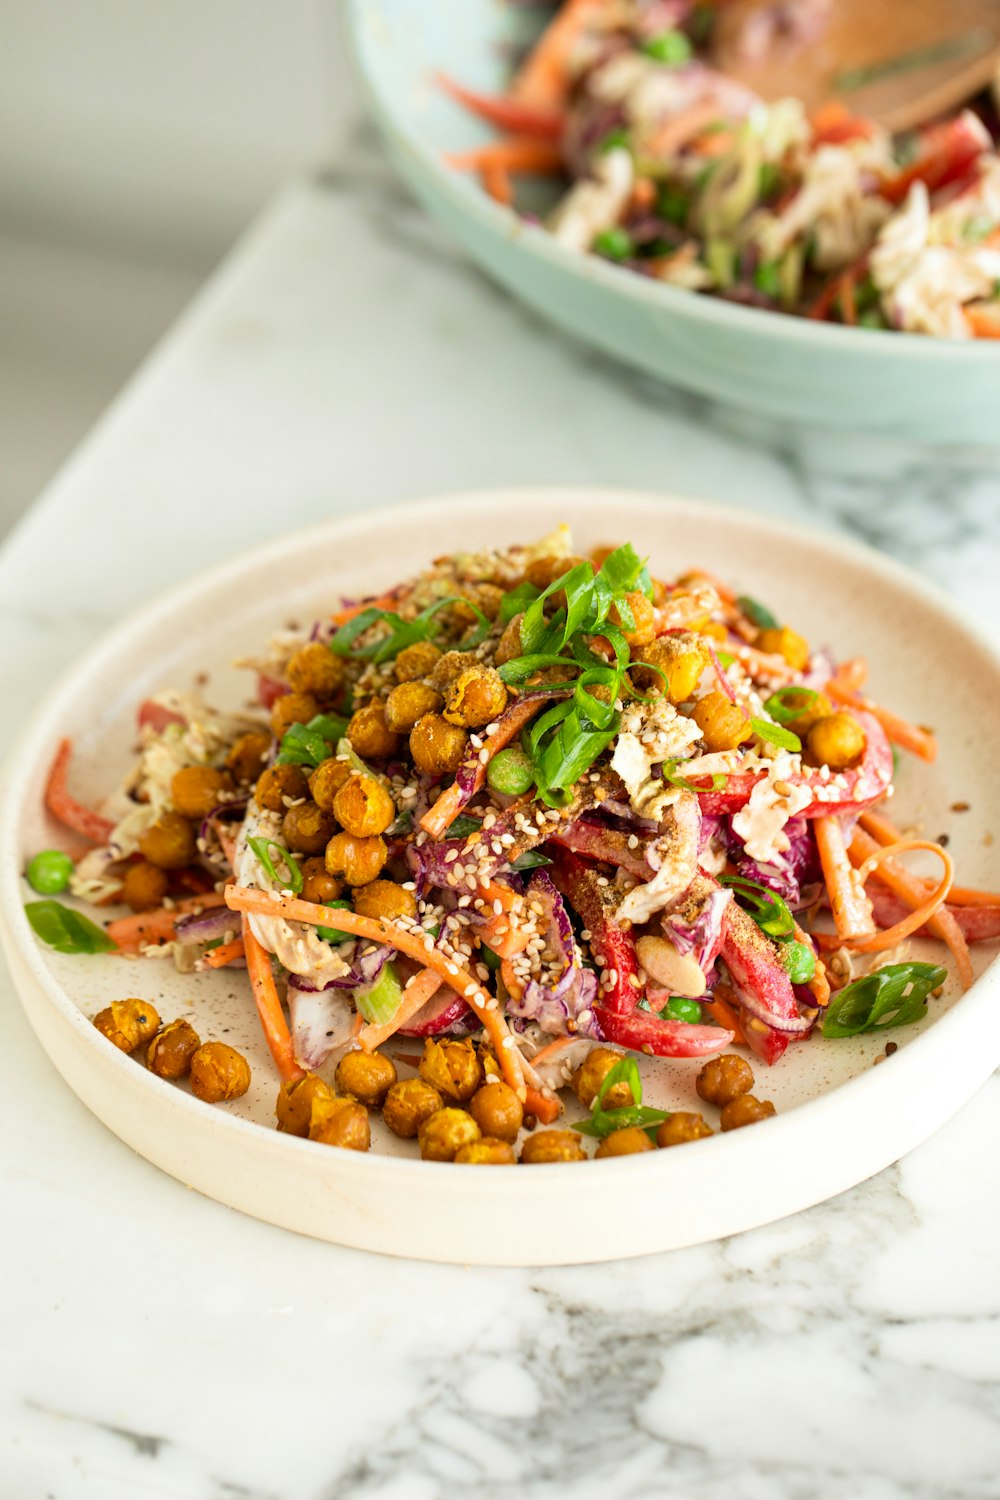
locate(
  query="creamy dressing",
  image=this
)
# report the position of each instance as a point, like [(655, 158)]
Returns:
[(596, 202), (775, 799), (293, 944)]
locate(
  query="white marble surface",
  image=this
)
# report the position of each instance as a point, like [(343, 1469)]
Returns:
[(156, 1344)]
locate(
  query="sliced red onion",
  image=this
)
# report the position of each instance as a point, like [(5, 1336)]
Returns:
[(236, 804), (720, 671), (445, 1011), (796, 1025), (206, 926)]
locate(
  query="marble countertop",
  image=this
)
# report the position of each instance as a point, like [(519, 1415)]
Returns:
[(157, 1344)]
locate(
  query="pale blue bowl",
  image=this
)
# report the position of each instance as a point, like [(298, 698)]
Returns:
[(898, 385)]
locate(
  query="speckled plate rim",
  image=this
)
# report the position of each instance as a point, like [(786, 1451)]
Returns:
[(785, 1164)]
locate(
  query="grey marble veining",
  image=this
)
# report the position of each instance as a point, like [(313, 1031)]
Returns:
[(157, 1344)]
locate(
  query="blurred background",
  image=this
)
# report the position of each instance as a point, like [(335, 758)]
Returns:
[(137, 141)]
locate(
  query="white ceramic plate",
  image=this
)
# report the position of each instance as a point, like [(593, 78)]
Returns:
[(840, 1118)]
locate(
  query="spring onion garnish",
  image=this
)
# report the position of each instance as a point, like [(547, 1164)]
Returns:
[(670, 47), (789, 703), (895, 995), (401, 633), (64, 929), (334, 934), (262, 848), (603, 1121), (379, 1002), (758, 614), (615, 140), (308, 744), (775, 734), (463, 826), (531, 859), (668, 771), (767, 909)]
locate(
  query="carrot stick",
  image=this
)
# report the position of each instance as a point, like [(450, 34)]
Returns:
[(512, 115), (919, 742), (551, 1048), (67, 809), (217, 958), (983, 322), (722, 1009), (497, 184), (504, 939), (272, 1017), (450, 803), (542, 79), (421, 988), (885, 832), (851, 675), (350, 611), (819, 985), (517, 153), (848, 305), (681, 128), (924, 911), (852, 911), (512, 981), (157, 925), (408, 941), (913, 891), (543, 1105)]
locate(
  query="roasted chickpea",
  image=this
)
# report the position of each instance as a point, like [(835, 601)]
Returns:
[(746, 1110), (370, 735), (586, 1081), (497, 1110), (127, 1023), (294, 1106), (451, 665), (488, 1151), (247, 756), (367, 1075), (409, 702), (812, 709), (170, 1052), (418, 660), (542, 571), (195, 790), (723, 725), (219, 1072), (452, 1067), (476, 697), (278, 783), (437, 747), (385, 899), (358, 860), (144, 886), (625, 1142), (327, 780), (489, 597), (445, 1132), (837, 741), (643, 631), (317, 884), (509, 644), (169, 843), (408, 1104), (364, 806), (306, 828), (681, 659), (553, 1145), (292, 708), (340, 1122), (682, 1126), (787, 643), (724, 1079), (317, 670)]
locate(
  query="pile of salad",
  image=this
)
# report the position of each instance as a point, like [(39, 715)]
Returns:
[(682, 174), (543, 802)]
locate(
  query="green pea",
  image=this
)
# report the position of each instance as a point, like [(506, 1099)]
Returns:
[(671, 47), (614, 140), (49, 872), (679, 1008), (614, 244), (511, 772), (799, 961), (333, 934)]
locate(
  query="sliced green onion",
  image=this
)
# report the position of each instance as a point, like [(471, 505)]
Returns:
[(262, 847), (674, 205), (379, 1002), (895, 995), (614, 243), (334, 934), (758, 614), (615, 140), (775, 734), (789, 703), (490, 959), (400, 633), (670, 47), (668, 771), (602, 1122), (767, 909), (66, 930)]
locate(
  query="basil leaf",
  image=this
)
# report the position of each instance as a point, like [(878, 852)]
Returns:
[(626, 1070), (775, 734), (66, 930), (757, 614), (302, 746), (895, 995), (262, 848), (789, 703)]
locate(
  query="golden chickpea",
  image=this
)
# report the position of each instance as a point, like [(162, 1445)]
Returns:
[(509, 644), (452, 1067), (219, 1072), (340, 1122), (409, 702), (294, 1106), (128, 1023), (317, 884), (247, 756), (542, 571), (625, 1142), (292, 708), (170, 1052), (591, 1073), (367, 1075), (787, 643), (169, 843), (681, 1127), (315, 669), (408, 1104), (476, 697), (418, 660), (486, 1152), (724, 1079), (489, 597), (643, 632), (279, 782), (437, 747), (837, 741), (746, 1110), (306, 828), (364, 806), (811, 710), (497, 1111), (144, 886), (681, 659), (451, 665), (370, 735), (327, 780), (723, 725), (600, 555), (358, 860), (553, 1145), (196, 790), (715, 630), (385, 899), (445, 1132)]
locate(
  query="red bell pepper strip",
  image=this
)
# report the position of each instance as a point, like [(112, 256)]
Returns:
[(269, 690), (947, 151), (154, 716), (643, 1031), (756, 968), (70, 812)]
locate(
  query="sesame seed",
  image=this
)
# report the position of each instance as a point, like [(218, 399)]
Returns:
[(585, 934), (409, 885), (633, 841), (484, 757), (498, 906), (492, 728)]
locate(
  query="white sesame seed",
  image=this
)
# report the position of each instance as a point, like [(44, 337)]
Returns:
[(484, 757), (498, 907), (633, 841)]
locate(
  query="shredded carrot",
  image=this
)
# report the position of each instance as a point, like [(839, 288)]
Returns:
[(848, 305), (910, 889), (925, 910), (833, 124), (516, 153), (885, 832), (851, 675), (218, 958), (513, 983), (70, 812), (819, 985), (272, 1017), (983, 322), (852, 911), (421, 988), (541, 1103), (918, 741), (963, 895), (350, 611), (505, 113), (723, 1010), (713, 143), (543, 78), (558, 1044), (497, 184), (157, 926), (240, 898), (681, 128), (448, 806)]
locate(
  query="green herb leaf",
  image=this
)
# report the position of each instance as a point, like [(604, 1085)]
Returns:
[(603, 1124), (895, 995), (66, 930), (516, 601), (767, 909), (531, 859), (463, 826), (262, 848), (668, 771), (775, 734), (757, 614), (789, 703)]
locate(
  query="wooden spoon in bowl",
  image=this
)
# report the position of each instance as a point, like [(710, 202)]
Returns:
[(901, 62)]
